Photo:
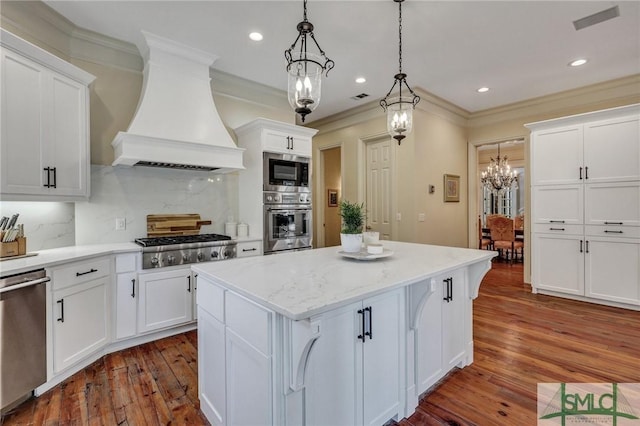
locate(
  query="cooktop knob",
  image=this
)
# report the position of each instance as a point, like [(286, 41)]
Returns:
[(170, 259), (154, 261), (214, 254), (200, 256), (185, 257)]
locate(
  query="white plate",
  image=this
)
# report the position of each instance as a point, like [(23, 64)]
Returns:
[(363, 255)]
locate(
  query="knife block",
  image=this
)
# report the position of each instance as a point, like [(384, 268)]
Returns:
[(14, 248)]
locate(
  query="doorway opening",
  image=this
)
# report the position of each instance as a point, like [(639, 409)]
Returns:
[(330, 196)]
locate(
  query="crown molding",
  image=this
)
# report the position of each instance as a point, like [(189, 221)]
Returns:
[(234, 87), (622, 91)]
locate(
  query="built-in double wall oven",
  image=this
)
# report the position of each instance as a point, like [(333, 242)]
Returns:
[(287, 203)]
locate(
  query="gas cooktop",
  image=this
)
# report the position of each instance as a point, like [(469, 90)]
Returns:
[(181, 239)]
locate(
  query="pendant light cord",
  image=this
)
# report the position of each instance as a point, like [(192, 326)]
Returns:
[(305, 11), (399, 37)]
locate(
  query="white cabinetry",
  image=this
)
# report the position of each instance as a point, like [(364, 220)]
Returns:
[(586, 206), (235, 339), (165, 299), (440, 326), (256, 137), (249, 248), (126, 295), (79, 311), (361, 386), (45, 124)]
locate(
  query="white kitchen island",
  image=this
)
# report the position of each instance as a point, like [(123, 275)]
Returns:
[(314, 338)]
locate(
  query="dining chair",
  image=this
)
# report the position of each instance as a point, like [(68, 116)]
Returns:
[(484, 239), (504, 237)]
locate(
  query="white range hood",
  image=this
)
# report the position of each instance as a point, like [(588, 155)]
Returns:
[(176, 124)]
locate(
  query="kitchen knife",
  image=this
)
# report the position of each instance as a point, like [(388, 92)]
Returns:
[(13, 221), (3, 222)]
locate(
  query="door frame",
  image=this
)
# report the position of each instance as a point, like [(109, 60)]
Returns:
[(362, 174), (320, 199)]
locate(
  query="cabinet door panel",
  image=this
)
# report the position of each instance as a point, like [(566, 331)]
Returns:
[(249, 388), (165, 299), (556, 156), (612, 150), (382, 367), (126, 304), (332, 383), (612, 202), (429, 340), (453, 321), (613, 270), (84, 329), (557, 263), (211, 371), (559, 203), (68, 134), (23, 84)]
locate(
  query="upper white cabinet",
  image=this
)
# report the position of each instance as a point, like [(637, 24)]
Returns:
[(263, 135), (585, 204), (45, 124)]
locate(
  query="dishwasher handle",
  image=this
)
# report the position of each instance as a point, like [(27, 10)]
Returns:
[(25, 284)]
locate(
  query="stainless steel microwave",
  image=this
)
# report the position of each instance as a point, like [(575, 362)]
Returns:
[(286, 172)]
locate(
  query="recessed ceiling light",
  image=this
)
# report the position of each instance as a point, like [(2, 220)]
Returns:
[(361, 80), (255, 36), (577, 62), (483, 89)]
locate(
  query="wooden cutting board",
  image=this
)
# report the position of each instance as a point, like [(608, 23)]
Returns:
[(159, 225)]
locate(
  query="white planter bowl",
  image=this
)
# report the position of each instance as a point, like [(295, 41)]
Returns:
[(351, 243)]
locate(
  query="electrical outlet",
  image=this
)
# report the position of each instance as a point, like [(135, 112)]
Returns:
[(121, 223), (421, 217), (398, 217)]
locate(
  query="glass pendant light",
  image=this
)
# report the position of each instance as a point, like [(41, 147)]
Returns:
[(305, 70), (399, 108)]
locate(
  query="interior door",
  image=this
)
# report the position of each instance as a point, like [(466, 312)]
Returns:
[(379, 158)]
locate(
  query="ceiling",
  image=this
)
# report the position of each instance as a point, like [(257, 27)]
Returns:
[(519, 49)]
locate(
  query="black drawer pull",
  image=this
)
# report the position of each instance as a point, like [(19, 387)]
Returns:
[(61, 302), (613, 223), (91, 271), (251, 249), (612, 232), (581, 251), (580, 173), (556, 229), (556, 221)]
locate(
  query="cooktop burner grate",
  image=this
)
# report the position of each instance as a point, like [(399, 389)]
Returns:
[(180, 239)]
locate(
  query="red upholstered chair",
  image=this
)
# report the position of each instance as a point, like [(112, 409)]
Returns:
[(484, 240)]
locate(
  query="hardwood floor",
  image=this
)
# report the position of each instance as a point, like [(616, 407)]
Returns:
[(520, 339)]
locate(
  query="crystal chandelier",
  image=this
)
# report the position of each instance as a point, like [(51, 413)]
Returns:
[(305, 70), (399, 108), (499, 178)]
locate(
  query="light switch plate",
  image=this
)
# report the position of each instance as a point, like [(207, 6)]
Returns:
[(121, 223)]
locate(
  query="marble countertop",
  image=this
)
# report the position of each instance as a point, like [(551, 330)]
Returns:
[(52, 257), (301, 284)]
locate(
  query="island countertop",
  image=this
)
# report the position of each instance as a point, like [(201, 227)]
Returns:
[(301, 284)]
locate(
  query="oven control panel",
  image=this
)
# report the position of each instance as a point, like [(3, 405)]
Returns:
[(290, 198)]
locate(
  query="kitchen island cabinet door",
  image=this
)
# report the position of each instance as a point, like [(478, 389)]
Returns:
[(79, 322), (212, 383), (166, 299), (454, 314)]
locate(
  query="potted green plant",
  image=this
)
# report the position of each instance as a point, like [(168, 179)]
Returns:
[(353, 220)]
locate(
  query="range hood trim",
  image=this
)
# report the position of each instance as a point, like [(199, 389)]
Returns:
[(130, 149)]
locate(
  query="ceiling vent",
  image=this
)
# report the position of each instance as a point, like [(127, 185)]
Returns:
[(596, 18), (359, 97)]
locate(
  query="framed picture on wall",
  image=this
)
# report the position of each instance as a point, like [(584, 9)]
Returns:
[(451, 188), (332, 197)]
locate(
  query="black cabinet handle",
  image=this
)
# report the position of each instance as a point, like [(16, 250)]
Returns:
[(133, 288), (580, 173), (251, 249), (55, 177), (361, 313), (61, 302), (450, 289), (449, 283), (48, 184), (586, 173), (612, 232), (581, 246), (613, 223), (556, 221), (586, 246), (556, 229), (189, 283), (369, 333), (446, 296), (91, 271), (195, 282)]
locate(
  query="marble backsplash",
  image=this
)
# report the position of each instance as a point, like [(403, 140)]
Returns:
[(131, 193)]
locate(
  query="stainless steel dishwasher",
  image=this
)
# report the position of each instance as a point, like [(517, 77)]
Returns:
[(23, 354)]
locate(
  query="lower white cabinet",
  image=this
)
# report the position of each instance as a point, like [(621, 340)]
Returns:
[(126, 295), (354, 369), (235, 353), (612, 270), (79, 323), (558, 263), (249, 248), (165, 299), (441, 328)]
